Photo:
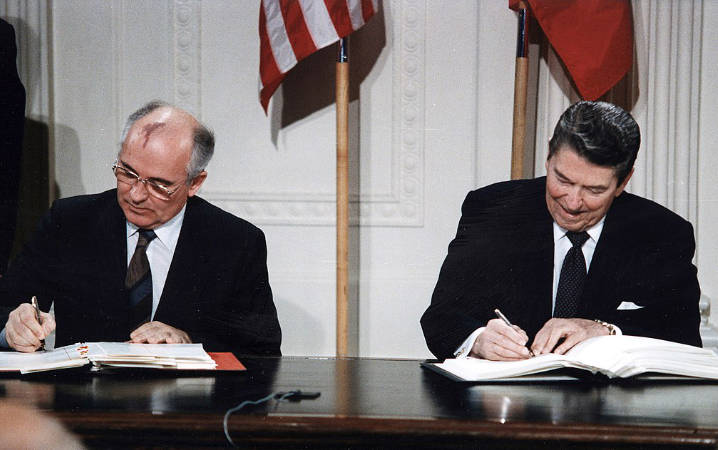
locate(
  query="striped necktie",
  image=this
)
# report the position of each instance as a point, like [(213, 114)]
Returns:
[(139, 281)]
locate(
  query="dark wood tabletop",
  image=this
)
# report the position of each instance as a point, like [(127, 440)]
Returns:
[(368, 403)]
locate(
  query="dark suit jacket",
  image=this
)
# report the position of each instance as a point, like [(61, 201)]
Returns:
[(12, 124), (502, 257), (217, 288)]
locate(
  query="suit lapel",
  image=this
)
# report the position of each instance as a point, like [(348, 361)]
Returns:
[(533, 247), (110, 243), (188, 262), (606, 257), (115, 243), (538, 286)]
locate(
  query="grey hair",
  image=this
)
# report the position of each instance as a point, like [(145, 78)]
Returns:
[(203, 137)]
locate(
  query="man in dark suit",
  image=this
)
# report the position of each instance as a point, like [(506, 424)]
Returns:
[(207, 280), (12, 124), (524, 247)]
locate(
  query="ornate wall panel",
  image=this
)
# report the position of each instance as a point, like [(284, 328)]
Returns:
[(402, 203), (187, 21), (118, 40)]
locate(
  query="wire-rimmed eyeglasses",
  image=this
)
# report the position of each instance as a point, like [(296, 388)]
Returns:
[(155, 188)]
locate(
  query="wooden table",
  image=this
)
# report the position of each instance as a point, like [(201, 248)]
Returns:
[(369, 403)]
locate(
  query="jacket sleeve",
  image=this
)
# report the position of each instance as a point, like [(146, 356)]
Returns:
[(459, 304), (31, 272), (247, 323)]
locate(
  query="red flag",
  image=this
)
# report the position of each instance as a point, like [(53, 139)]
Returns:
[(291, 30), (593, 38)]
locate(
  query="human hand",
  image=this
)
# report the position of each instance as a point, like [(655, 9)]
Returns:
[(23, 332), (560, 335), (158, 333), (501, 342)]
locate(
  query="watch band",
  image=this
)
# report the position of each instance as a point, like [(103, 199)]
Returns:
[(611, 327)]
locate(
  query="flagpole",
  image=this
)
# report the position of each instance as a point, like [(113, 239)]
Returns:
[(521, 75), (342, 102)]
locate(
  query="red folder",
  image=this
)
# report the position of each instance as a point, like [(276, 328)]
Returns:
[(226, 361)]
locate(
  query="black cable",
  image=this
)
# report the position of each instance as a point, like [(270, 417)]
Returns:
[(278, 396)]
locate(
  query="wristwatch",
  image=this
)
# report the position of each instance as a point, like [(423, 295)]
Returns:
[(610, 326)]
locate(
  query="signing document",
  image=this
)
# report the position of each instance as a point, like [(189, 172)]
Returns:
[(612, 356)]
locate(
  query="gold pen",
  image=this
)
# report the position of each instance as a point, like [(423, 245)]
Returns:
[(501, 316), (33, 301)]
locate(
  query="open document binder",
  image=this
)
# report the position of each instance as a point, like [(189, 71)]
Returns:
[(612, 356), (118, 354)]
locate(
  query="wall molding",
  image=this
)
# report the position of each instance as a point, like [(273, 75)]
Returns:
[(187, 52), (118, 70), (403, 205)]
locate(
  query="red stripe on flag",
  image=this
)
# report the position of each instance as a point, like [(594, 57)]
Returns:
[(268, 70), (367, 9), (339, 12), (299, 35), (267, 91)]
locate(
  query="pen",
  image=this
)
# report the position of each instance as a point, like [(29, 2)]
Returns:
[(501, 316), (33, 301)]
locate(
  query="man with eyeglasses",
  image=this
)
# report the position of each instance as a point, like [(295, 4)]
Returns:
[(201, 272)]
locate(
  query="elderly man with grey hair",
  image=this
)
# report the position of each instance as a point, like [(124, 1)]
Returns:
[(149, 261)]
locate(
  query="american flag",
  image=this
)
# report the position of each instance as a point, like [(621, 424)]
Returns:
[(291, 30)]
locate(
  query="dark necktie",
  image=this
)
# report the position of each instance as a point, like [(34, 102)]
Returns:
[(139, 281), (573, 275)]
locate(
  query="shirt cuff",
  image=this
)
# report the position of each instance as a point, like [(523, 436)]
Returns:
[(3, 340), (465, 348)]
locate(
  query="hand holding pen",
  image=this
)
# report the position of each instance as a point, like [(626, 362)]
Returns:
[(27, 327), (506, 321), (500, 340)]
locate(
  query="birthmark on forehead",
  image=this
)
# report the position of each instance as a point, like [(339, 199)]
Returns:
[(150, 128)]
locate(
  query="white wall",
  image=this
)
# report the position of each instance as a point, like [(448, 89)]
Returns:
[(707, 164), (430, 120)]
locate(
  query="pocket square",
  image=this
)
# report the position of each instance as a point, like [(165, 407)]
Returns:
[(628, 306)]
